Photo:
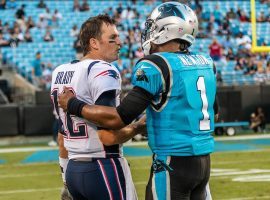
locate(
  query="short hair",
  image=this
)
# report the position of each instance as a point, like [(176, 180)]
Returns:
[(91, 28)]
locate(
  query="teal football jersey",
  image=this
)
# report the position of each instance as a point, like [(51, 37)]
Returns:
[(180, 119)]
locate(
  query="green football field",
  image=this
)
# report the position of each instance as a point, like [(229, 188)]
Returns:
[(240, 175)]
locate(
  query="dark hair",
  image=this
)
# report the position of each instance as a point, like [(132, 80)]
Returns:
[(91, 28)]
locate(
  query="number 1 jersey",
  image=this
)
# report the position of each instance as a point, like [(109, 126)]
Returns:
[(180, 119)]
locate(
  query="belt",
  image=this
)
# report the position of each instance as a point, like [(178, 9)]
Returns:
[(87, 159)]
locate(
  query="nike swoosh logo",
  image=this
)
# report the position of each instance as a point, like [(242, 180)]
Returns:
[(144, 67)]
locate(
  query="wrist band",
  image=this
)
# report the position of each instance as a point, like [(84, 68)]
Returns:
[(75, 106), (63, 166)]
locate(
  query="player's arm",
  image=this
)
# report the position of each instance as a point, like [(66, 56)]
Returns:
[(216, 108), (63, 161), (111, 137), (130, 108), (63, 156)]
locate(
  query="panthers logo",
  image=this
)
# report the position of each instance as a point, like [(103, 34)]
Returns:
[(141, 76)]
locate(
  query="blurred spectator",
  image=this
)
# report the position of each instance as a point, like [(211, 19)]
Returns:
[(215, 50), (109, 11), (257, 120), (74, 32), (27, 36), (20, 12), (85, 6), (227, 43), (22, 23), (254, 122), (231, 14), (76, 5), (240, 64), (139, 53), (13, 40), (41, 4), (1, 26), (262, 17), (56, 17), (230, 55), (119, 9), (47, 16), (217, 14), (244, 17), (3, 41), (6, 28), (2, 4), (48, 37), (120, 65), (127, 13), (42, 23), (37, 70), (47, 76), (251, 68), (77, 46), (260, 75), (19, 34), (225, 26), (30, 23), (243, 41)]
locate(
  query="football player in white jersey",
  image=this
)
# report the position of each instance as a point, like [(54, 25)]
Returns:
[(96, 168)]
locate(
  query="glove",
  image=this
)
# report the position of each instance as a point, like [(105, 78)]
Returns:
[(65, 195)]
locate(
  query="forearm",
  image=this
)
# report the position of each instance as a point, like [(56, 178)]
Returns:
[(103, 116), (110, 137), (63, 153)]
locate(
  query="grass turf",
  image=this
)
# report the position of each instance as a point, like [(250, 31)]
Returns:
[(42, 180)]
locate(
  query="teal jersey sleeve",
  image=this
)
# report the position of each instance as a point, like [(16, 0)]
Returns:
[(148, 76)]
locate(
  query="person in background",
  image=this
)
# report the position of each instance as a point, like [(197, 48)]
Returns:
[(37, 70)]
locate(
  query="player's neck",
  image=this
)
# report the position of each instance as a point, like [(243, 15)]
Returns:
[(92, 56), (169, 47)]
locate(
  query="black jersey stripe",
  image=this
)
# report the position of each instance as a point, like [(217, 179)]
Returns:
[(164, 68)]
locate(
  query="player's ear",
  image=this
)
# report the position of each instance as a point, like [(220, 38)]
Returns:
[(94, 43)]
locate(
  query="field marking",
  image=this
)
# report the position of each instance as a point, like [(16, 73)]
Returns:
[(27, 175), (28, 190), (253, 178), (48, 189), (130, 144), (248, 198)]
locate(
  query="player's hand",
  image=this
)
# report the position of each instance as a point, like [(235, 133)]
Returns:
[(65, 195), (141, 125), (64, 97)]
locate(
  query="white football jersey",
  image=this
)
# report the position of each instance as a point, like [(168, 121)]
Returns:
[(87, 79)]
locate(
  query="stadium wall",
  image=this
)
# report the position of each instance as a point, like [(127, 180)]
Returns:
[(236, 104)]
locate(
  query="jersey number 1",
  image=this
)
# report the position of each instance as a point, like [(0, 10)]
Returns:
[(205, 122)]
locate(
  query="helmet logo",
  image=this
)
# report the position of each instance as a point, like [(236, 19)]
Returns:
[(168, 10), (180, 30)]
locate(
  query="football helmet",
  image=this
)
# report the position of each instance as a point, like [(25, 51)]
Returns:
[(169, 21)]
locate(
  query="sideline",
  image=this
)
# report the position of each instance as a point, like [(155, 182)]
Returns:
[(130, 144)]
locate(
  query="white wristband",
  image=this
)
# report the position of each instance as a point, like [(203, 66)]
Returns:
[(63, 165)]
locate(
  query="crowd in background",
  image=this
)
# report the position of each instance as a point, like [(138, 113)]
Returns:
[(231, 47)]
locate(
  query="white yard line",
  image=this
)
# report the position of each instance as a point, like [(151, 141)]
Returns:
[(130, 144), (47, 189), (248, 198), (27, 175), (28, 190)]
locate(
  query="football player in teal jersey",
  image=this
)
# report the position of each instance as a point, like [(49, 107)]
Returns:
[(178, 90)]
